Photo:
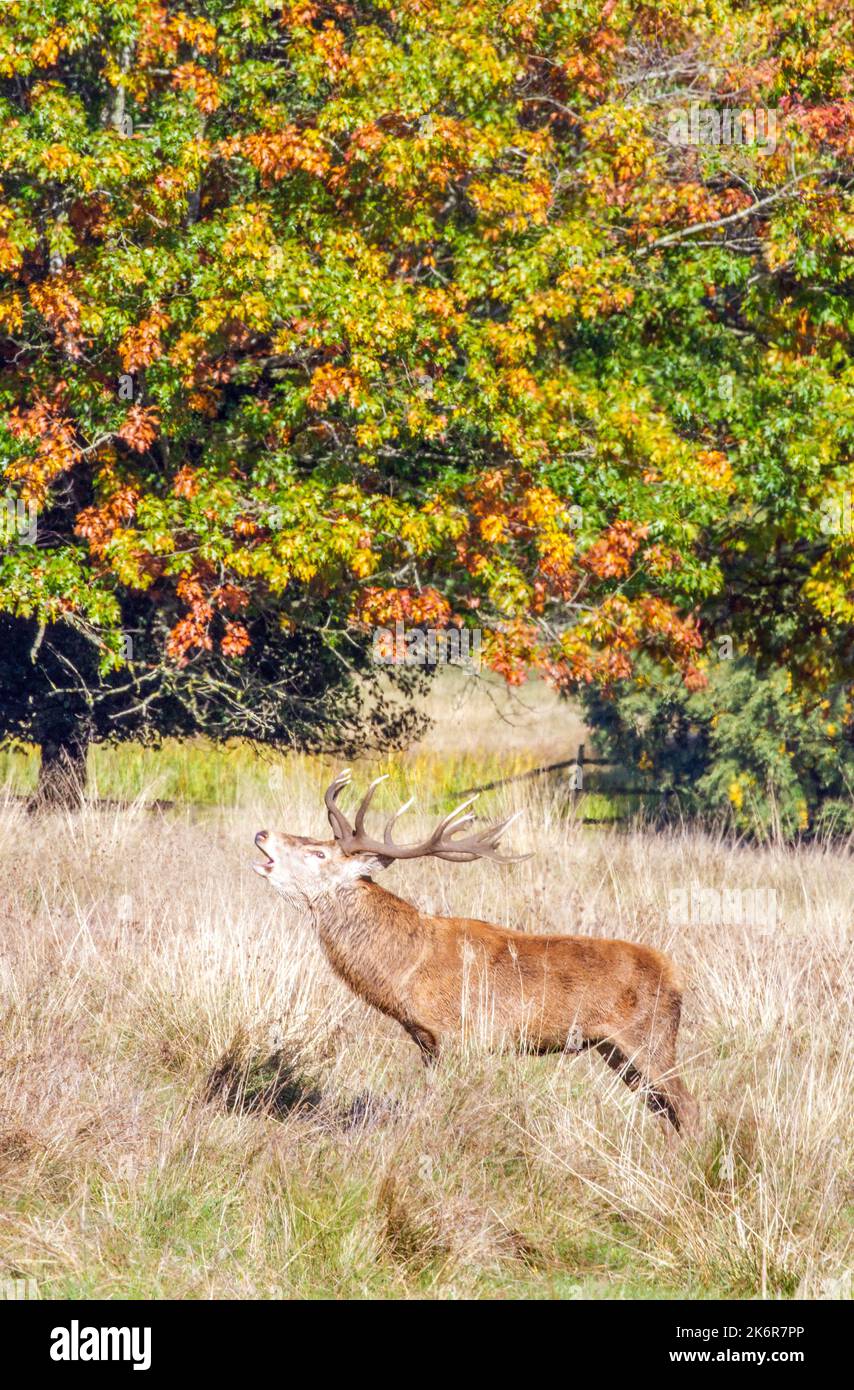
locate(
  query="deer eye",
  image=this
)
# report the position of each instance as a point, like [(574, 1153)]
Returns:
[(318, 853)]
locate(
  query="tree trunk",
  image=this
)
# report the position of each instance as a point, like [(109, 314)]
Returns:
[(62, 776)]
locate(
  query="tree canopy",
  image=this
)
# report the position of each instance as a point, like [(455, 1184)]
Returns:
[(533, 316)]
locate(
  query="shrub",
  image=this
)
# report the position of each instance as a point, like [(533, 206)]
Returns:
[(745, 747)]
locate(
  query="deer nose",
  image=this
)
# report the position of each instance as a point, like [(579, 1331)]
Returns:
[(261, 837)]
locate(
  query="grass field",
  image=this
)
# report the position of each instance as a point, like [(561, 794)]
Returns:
[(192, 1106)]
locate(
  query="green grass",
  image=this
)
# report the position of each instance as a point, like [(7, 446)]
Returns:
[(197, 772), (364, 1220)]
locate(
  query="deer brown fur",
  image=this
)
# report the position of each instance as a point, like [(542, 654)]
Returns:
[(434, 974)]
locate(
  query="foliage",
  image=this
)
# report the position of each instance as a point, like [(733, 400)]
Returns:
[(745, 747), (320, 316)]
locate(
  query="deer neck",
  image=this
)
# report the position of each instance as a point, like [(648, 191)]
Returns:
[(372, 939)]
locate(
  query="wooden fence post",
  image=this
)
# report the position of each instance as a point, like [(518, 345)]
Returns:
[(578, 775)]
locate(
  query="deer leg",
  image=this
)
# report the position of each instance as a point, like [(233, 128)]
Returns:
[(619, 1062), (623, 1062), (661, 1049), (427, 1044), (686, 1107), (649, 1055)]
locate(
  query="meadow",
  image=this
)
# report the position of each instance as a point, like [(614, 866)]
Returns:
[(192, 1106)]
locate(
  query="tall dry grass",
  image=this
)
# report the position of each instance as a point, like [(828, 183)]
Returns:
[(192, 1106)]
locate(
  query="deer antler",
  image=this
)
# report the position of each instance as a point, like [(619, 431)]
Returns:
[(441, 844)]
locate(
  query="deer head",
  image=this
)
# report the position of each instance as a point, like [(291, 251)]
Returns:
[(303, 869)]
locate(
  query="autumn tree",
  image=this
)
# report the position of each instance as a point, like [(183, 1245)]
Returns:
[(453, 311)]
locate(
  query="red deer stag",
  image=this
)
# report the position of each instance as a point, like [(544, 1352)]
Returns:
[(543, 993)]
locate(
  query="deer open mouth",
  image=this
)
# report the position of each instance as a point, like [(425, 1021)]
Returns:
[(266, 866)]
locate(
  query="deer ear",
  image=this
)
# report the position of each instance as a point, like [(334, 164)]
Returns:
[(367, 864)]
